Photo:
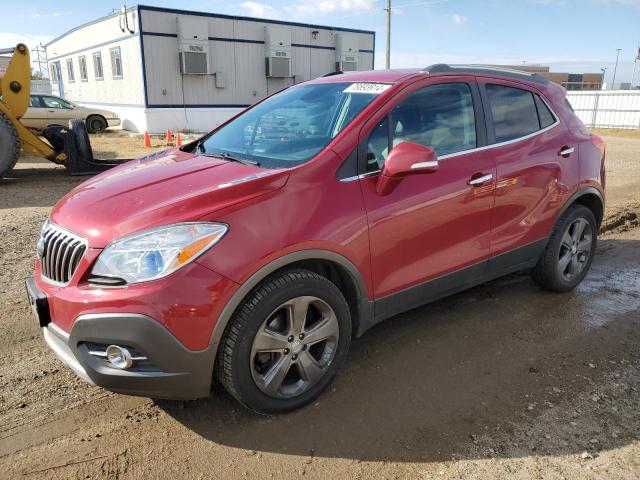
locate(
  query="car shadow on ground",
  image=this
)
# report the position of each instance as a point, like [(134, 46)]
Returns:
[(422, 385)]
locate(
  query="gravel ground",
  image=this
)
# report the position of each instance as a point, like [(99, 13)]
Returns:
[(501, 381)]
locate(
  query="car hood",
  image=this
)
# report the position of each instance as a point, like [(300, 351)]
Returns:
[(159, 189)]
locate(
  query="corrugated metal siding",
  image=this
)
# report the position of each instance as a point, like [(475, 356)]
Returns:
[(241, 62)]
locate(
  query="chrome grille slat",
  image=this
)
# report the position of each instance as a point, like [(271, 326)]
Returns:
[(49, 255), (60, 252), (73, 262)]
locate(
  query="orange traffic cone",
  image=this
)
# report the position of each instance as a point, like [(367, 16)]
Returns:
[(179, 140), (169, 136), (147, 140)]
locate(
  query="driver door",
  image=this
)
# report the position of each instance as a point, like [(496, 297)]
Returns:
[(431, 234)]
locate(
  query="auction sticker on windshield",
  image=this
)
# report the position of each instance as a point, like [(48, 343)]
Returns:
[(371, 88)]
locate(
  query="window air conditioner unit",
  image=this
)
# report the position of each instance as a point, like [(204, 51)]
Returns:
[(194, 63), (278, 52), (193, 45), (347, 52)]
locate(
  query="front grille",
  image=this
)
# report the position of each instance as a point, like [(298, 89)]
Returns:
[(60, 253)]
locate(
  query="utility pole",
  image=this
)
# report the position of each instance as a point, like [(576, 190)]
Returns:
[(387, 63), (635, 64), (615, 69), (604, 73)]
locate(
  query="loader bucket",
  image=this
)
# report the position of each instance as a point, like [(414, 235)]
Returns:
[(74, 142)]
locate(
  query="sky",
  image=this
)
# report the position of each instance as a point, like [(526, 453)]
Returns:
[(575, 36)]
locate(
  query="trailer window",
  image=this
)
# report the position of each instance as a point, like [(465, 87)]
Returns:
[(97, 65), (70, 73), (82, 63), (116, 62)]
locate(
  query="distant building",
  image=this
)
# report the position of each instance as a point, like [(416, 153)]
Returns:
[(160, 68), (570, 81)]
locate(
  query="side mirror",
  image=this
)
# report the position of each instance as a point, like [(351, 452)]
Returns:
[(407, 158)]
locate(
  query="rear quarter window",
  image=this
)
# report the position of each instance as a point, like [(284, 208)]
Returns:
[(514, 112), (545, 115)]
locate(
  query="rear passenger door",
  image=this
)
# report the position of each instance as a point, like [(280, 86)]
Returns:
[(524, 137)]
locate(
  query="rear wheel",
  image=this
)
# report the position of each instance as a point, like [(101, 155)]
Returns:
[(569, 253), (9, 145), (285, 342), (96, 124)]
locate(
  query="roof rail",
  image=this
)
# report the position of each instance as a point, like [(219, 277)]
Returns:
[(487, 69)]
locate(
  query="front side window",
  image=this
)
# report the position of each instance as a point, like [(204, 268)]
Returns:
[(97, 65), (514, 112), (439, 116), (82, 63), (70, 73), (116, 62), (291, 127), (54, 102)]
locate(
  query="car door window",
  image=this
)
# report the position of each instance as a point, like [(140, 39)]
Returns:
[(514, 112), (439, 116), (544, 114), (52, 102), (34, 102)]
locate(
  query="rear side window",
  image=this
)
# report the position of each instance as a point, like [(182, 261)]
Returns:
[(545, 115), (514, 112)]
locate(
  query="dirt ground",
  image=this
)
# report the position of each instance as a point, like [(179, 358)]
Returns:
[(501, 381)]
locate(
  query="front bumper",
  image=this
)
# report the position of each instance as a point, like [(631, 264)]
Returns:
[(169, 371)]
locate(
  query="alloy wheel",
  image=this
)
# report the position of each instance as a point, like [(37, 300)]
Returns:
[(294, 347), (575, 249)]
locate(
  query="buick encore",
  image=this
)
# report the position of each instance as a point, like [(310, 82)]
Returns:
[(254, 255)]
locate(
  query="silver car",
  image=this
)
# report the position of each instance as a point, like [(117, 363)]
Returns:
[(48, 109)]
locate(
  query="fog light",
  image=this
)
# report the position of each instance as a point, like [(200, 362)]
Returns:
[(119, 357)]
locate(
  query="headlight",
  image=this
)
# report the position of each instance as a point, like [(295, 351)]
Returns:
[(157, 253)]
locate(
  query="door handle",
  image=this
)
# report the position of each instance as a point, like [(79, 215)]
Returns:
[(566, 151), (477, 181)]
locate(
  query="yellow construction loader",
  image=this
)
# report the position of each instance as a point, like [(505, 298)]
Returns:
[(65, 145)]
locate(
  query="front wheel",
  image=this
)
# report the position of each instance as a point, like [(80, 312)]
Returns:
[(569, 252), (285, 342)]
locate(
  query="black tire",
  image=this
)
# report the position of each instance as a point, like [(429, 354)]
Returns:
[(96, 124), (549, 271), (81, 138), (9, 145), (234, 362)]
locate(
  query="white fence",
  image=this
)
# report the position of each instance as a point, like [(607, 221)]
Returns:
[(607, 108)]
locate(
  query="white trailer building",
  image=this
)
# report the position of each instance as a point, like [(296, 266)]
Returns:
[(162, 68)]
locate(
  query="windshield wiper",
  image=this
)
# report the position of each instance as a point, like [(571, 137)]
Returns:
[(231, 158)]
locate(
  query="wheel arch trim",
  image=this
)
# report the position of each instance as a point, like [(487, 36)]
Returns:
[(581, 192), (365, 307)]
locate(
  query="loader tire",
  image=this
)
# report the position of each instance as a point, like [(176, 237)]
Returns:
[(81, 138), (9, 145)]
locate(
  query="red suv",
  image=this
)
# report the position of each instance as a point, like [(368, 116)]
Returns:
[(256, 253)]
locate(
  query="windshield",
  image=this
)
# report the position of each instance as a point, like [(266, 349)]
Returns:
[(291, 127)]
